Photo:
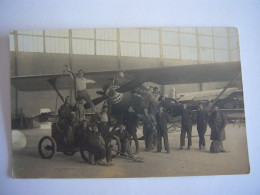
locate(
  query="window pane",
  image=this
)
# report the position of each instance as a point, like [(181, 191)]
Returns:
[(188, 53), (149, 36), (57, 45), (170, 38), (188, 30), (129, 35), (220, 31), (106, 34), (30, 44), (232, 32), (188, 40), (205, 31), (30, 32), (205, 41), (106, 48), (152, 51), (171, 52), (235, 56), (233, 43), (11, 42), (57, 33), (171, 29), (220, 43), (221, 55), (83, 47), (88, 33), (130, 49), (206, 54)]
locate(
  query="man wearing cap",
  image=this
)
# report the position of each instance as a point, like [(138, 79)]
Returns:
[(131, 126), (202, 123), (149, 130), (162, 119), (186, 126)]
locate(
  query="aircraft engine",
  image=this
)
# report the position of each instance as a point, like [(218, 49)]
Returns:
[(114, 96)]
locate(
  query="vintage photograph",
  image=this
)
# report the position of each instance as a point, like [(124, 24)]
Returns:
[(127, 102)]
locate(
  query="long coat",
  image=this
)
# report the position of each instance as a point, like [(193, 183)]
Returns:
[(217, 123)]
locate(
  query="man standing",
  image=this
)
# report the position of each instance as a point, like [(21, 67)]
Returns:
[(217, 123), (202, 123), (65, 119), (103, 126), (162, 119), (149, 129), (81, 87), (186, 126), (131, 126)]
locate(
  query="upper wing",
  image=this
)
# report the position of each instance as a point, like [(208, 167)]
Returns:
[(41, 82), (196, 73)]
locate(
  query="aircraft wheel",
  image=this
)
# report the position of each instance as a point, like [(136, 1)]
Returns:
[(116, 146), (47, 147), (69, 153), (84, 155)]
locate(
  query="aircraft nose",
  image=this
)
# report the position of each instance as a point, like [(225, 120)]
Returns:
[(114, 96)]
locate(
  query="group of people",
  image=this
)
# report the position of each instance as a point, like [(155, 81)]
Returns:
[(156, 118), (217, 122), (97, 134)]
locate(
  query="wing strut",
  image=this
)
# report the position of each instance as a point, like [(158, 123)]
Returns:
[(210, 106), (53, 84)]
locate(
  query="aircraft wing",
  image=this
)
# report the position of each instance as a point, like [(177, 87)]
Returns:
[(195, 73), (63, 81)]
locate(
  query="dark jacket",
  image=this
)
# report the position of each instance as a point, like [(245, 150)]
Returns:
[(122, 135), (149, 121), (65, 111), (131, 120), (162, 120), (202, 118), (186, 117), (217, 123)]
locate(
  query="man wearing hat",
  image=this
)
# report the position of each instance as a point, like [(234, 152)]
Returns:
[(202, 123)]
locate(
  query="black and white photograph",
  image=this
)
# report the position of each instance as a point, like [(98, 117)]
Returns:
[(127, 103)]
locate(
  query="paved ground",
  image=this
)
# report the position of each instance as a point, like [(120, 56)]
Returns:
[(27, 163)]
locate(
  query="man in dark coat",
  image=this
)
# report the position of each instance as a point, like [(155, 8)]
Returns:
[(162, 119), (149, 130), (217, 123), (65, 120), (186, 126), (131, 126), (202, 123)]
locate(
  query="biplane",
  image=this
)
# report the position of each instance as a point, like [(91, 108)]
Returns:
[(123, 94)]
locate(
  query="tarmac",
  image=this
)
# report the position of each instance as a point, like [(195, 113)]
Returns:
[(27, 162)]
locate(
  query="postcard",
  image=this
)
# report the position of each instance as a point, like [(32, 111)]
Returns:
[(127, 103)]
